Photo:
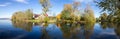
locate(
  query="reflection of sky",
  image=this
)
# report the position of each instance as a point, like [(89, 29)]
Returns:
[(100, 33), (8, 7)]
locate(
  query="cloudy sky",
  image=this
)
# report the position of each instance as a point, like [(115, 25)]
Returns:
[(8, 7)]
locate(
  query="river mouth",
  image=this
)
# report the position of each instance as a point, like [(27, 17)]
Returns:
[(20, 30)]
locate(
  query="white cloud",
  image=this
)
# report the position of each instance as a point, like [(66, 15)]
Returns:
[(22, 1), (85, 1), (5, 4)]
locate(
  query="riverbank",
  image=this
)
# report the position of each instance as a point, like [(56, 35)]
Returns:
[(50, 21), (55, 21)]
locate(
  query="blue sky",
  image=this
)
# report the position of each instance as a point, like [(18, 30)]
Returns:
[(8, 7)]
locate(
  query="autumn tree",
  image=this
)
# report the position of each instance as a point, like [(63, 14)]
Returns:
[(86, 17), (66, 13), (76, 12), (46, 5), (18, 16), (76, 5), (89, 15), (29, 14), (22, 15)]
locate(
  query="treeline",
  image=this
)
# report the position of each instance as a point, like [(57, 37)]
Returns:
[(71, 12), (112, 7), (22, 15), (104, 17)]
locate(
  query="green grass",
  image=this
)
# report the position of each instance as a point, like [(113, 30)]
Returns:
[(50, 21), (33, 20)]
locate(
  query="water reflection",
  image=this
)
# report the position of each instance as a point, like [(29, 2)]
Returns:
[(72, 31), (45, 34), (115, 26), (23, 25), (88, 30), (117, 30), (77, 31), (103, 25)]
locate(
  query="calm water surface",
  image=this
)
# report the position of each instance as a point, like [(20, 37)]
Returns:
[(23, 30)]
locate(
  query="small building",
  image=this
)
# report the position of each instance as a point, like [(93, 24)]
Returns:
[(39, 16)]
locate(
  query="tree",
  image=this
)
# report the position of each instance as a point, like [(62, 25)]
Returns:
[(66, 13), (29, 14), (111, 6), (76, 6), (103, 17), (21, 16), (89, 15), (86, 17), (76, 13), (46, 5)]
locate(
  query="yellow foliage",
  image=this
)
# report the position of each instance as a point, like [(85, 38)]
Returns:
[(58, 16)]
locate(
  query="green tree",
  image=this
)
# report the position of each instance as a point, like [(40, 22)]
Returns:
[(22, 16), (76, 12), (109, 5), (46, 5), (66, 13), (89, 15), (86, 18), (18, 16), (111, 18), (29, 14), (112, 7), (103, 17)]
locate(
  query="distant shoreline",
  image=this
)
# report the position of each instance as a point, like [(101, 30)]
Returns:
[(4, 18)]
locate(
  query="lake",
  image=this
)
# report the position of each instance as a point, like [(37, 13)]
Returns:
[(24, 30)]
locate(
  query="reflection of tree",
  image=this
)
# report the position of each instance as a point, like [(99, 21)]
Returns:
[(45, 24), (44, 31), (74, 31), (23, 25), (40, 24), (58, 25), (88, 30), (66, 31), (104, 25), (111, 25), (117, 29), (45, 34)]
